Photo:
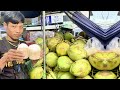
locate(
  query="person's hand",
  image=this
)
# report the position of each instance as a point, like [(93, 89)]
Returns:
[(13, 55), (10, 56)]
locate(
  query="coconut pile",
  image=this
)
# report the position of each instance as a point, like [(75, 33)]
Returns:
[(68, 57), (80, 58)]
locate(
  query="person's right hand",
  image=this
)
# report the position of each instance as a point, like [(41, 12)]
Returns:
[(13, 55)]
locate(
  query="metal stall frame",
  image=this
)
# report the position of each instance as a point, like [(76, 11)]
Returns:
[(44, 49)]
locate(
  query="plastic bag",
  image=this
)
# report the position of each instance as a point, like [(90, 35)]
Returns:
[(114, 45), (93, 45)]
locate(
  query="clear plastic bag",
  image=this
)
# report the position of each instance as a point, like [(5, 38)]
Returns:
[(114, 45), (93, 45)]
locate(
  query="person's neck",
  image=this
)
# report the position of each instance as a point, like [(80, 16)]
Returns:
[(10, 39)]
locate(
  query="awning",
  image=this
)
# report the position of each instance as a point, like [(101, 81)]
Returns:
[(92, 29), (31, 14)]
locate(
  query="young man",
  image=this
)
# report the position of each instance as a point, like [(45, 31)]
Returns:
[(9, 56)]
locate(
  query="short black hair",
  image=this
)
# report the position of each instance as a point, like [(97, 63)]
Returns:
[(14, 17)]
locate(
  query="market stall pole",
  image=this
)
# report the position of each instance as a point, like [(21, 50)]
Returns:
[(44, 59)]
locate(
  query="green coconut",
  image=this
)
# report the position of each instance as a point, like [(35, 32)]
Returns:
[(46, 50), (36, 73), (118, 78), (62, 48), (66, 41), (56, 69), (39, 63), (81, 42), (76, 52), (51, 59), (59, 35), (52, 43), (49, 76), (59, 74), (80, 68), (104, 60), (66, 75), (68, 36), (64, 63), (39, 41), (86, 77), (105, 75)]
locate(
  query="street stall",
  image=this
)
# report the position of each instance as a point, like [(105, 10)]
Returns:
[(79, 49), (94, 58)]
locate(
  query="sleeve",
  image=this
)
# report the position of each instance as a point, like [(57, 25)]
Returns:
[(2, 51), (1, 71)]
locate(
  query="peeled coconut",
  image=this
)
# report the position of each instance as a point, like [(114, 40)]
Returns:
[(64, 63), (36, 73), (80, 68), (51, 59), (62, 48), (35, 51), (24, 48), (105, 75)]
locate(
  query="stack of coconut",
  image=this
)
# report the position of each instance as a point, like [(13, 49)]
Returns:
[(75, 58), (68, 57)]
